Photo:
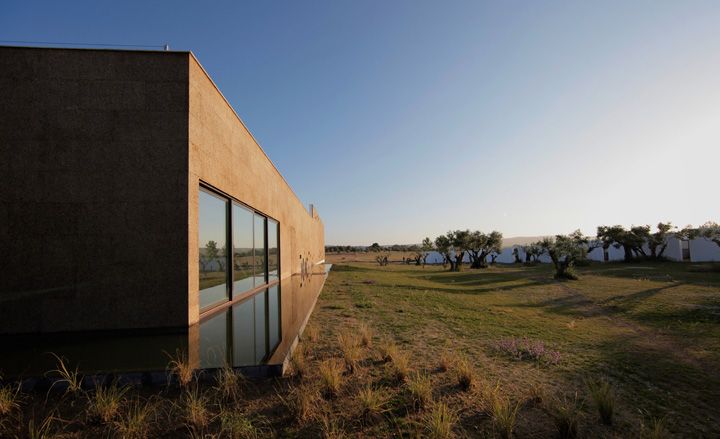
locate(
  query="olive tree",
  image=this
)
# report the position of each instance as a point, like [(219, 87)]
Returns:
[(564, 251), (480, 245)]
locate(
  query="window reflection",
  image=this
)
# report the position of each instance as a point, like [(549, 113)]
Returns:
[(213, 341), (212, 239), (242, 232), (260, 255), (273, 250)]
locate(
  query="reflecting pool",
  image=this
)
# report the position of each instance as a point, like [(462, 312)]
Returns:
[(255, 335)]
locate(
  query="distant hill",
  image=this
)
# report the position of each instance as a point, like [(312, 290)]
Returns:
[(520, 240)]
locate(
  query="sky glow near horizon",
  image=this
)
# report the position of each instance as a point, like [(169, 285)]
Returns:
[(401, 120)]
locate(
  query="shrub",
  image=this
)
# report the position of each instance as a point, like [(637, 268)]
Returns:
[(439, 422), (330, 377), (465, 374), (526, 349), (420, 388), (372, 403), (504, 414), (566, 415), (604, 399), (105, 403)]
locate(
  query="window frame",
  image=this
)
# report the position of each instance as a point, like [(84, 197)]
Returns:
[(232, 296)]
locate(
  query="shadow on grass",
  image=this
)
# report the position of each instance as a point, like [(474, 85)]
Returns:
[(659, 380), (692, 273)]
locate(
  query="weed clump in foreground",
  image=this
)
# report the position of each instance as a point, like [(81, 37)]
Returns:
[(372, 403), (137, 420), (330, 377), (298, 361), (311, 333), (504, 414), (388, 350), (420, 388), (105, 403), (439, 422), (71, 378), (566, 416), (234, 424), (465, 374), (350, 347), (604, 399), (9, 400), (195, 409), (656, 429), (301, 401), (366, 335), (400, 367), (180, 367), (229, 383), (445, 363)]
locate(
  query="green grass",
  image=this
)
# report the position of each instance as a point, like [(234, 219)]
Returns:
[(651, 328)]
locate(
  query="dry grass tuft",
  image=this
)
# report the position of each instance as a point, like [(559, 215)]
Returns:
[(331, 428), (137, 421), (298, 362), (330, 377), (464, 373), (180, 368), (44, 429), (566, 416), (446, 362), (372, 403), (9, 400), (388, 350), (366, 335), (70, 377), (350, 347), (503, 414), (400, 366), (237, 425), (302, 402), (439, 422), (105, 403), (420, 388), (195, 409), (656, 430), (229, 383), (311, 333), (604, 398)]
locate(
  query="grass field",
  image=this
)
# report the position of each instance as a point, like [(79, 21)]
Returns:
[(651, 330), (407, 351)]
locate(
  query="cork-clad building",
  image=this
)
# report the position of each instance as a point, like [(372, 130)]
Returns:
[(132, 196)]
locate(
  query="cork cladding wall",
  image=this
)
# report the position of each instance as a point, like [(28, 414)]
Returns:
[(93, 189), (224, 155)]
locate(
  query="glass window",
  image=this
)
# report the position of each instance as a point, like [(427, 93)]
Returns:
[(213, 341), (274, 317), (244, 333), (273, 250), (260, 254), (242, 233), (212, 239), (260, 329)]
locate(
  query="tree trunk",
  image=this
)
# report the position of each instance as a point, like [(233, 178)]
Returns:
[(628, 253)]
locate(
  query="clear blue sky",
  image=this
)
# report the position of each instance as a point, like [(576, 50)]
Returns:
[(401, 119)]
